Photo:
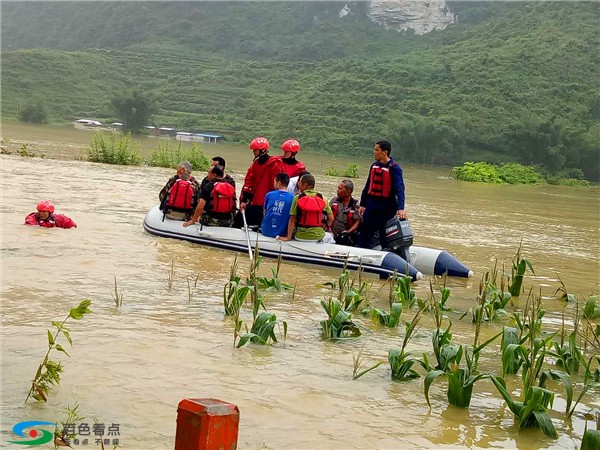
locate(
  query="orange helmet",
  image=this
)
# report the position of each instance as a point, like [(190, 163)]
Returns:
[(259, 143), (291, 145), (45, 205)]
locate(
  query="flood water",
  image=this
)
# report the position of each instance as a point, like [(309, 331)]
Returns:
[(133, 365)]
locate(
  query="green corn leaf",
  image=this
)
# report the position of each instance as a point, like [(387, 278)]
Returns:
[(515, 407), (459, 393), (591, 310), (591, 440), (363, 372), (510, 335), (431, 376), (245, 338), (486, 343), (545, 423), (562, 378)]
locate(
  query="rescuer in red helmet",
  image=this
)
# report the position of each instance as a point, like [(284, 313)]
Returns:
[(290, 164), (45, 217), (258, 181)]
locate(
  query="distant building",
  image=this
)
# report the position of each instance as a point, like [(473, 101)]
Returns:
[(183, 136), (210, 137), (165, 131), (198, 137)]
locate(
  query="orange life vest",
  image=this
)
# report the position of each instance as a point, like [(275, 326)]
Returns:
[(223, 197), (181, 196), (381, 182), (310, 210)]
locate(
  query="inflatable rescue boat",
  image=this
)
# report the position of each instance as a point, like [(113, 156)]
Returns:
[(384, 263)]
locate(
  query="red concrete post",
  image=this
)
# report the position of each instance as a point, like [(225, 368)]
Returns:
[(206, 424)]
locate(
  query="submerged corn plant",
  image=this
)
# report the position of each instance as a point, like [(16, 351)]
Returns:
[(263, 330), (171, 275), (532, 412), (401, 291), (519, 267), (565, 379), (391, 319), (567, 353), (460, 379), (338, 323), (358, 363), (401, 361), (117, 296), (352, 293), (491, 299), (233, 294), (591, 310), (48, 372), (274, 283)]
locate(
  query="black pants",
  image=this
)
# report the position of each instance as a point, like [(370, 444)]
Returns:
[(254, 217), (374, 220)]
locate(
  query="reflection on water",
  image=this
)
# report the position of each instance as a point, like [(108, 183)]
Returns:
[(133, 365)]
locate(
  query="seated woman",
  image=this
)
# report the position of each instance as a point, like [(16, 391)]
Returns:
[(45, 217), (307, 212)]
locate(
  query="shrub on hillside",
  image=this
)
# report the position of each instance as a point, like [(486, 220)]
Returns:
[(114, 148), (34, 113), (514, 173), (476, 171), (170, 155)]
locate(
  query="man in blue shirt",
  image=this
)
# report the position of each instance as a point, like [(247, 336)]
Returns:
[(382, 197), (277, 208)]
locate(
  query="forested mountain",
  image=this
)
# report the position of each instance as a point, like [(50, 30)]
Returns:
[(507, 82)]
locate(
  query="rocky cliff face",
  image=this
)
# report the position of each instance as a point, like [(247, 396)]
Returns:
[(422, 16)]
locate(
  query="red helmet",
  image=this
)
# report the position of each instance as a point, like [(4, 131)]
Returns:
[(291, 145), (259, 143), (45, 205)]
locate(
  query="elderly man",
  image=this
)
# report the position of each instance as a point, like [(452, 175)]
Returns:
[(179, 196), (346, 219)]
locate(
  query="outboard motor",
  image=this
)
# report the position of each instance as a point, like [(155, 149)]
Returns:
[(399, 237)]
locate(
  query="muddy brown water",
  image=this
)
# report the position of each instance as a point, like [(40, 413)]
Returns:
[(133, 365)]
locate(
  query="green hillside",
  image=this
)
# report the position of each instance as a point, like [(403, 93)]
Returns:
[(508, 82)]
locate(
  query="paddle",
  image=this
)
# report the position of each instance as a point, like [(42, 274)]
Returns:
[(247, 237)]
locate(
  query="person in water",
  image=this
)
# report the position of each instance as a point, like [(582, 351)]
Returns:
[(45, 217), (382, 197)]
